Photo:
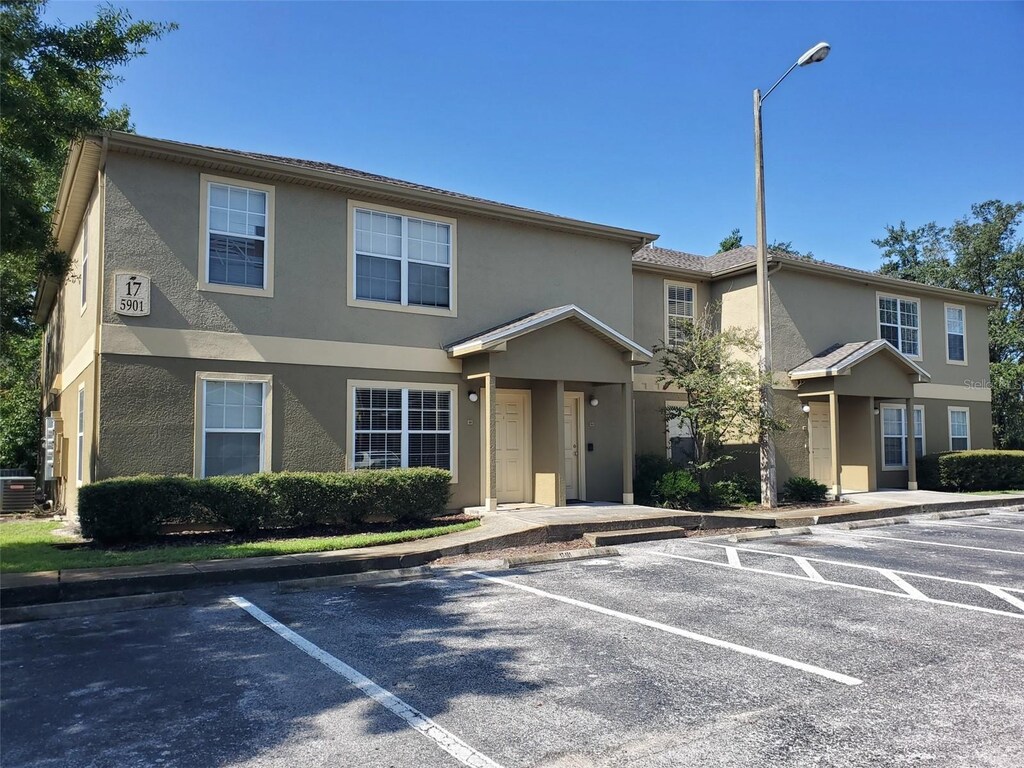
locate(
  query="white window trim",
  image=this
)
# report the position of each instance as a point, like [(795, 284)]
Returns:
[(85, 264), (676, 284), (949, 425), (945, 331), (266, 440), (449, 311), (350, 410), (80, 442), (205, 180), (920, 322), (906, 434), (924, 442)]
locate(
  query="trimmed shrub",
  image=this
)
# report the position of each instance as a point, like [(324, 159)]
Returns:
[(735, 489), (134, 508), (981, 470), (677, 489), (804, 489), (650, 467)]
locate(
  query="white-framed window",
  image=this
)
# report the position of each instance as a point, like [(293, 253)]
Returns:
[(919, 444), (401, 260), (80, 458), (899, 323), (237, 223), (956, 334), (959, 429), (232, 424), (678, 311), (85, 261), (402, 425), (894, 436)]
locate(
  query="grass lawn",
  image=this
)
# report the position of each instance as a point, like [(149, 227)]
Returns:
[(28, 546)]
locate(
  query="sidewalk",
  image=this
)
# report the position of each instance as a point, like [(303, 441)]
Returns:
[(513, 528)]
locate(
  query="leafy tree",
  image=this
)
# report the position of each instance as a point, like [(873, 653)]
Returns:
[(733, 240), (980, 253), (787, 249), (718, 375), (52, 84)]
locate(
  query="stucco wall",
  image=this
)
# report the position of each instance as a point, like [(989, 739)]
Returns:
[(650, 311), (65, 407), (153, 211)]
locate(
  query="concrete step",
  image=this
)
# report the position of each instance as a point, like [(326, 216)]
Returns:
[(633, 535)]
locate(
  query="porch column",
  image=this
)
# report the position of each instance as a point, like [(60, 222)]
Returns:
[(489, 415), (833, 412), (873, 465), (911, 446), (627, 442)]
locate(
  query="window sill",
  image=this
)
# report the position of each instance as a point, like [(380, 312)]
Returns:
[(412, 309), (238, 290), (956, 362)]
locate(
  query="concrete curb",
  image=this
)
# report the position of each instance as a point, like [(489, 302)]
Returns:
[(558, 557), (89, 607), (632, 536), (858, 524), (352, 579), (771, 533)]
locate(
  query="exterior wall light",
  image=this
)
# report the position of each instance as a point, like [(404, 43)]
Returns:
[(806, 408), (593, 400), (473, 396)]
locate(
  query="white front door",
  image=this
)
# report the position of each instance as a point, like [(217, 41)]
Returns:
[(511, 434), (820, 430), (571, 426)]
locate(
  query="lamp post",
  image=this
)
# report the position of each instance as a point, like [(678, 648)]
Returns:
[(769, 490)]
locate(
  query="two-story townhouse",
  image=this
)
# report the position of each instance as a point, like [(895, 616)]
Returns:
[(229, 312), (853, 354)]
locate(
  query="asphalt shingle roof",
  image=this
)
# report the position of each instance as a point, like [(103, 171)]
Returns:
[(831, 357)]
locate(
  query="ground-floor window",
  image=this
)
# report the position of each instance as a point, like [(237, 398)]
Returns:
[(959, 429), (919, 430), (233, 420), (894, 436), (402, 426), (80, 446)]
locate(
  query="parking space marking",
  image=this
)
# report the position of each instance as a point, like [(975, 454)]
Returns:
[(415, 719), (852, 565), (764, 655), (807, 568), (969, 525), (908, 588), (927, 543), (844, 585), (1004, 595), (733, 557)]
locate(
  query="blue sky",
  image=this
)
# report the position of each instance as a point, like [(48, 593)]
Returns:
[(634, 114)]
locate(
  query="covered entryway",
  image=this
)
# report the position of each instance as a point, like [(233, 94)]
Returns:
[(841, 391), (556, 408)]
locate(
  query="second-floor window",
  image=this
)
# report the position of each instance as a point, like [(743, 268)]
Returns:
[(402, 260), (85, 261), (678, 311), (899, 323), (237, 251), (956, 334)]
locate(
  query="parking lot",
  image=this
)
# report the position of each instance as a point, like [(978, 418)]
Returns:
[(889, 646)]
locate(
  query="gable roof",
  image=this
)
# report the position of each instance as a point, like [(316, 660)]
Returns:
[(839, 359), (745, 257), (495, 337)]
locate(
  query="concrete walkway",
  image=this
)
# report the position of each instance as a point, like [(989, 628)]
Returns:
[(512, 528)]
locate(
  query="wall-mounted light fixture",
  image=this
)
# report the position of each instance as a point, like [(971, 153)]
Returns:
[(806, 408), (473, 396), (594, 401), (876, 411)]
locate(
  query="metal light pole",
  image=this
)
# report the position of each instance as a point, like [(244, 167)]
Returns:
[(769, 490)]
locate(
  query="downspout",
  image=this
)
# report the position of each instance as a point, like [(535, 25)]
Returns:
[(101, 200)]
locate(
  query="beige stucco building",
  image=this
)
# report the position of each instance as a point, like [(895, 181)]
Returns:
[(229, 312)]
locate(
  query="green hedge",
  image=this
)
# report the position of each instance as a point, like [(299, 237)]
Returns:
[(134, 508), (972, 471)]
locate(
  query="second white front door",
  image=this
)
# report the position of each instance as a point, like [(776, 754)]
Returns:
[(571, 415)]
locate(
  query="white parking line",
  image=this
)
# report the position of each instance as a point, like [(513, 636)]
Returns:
[(844, 585), (1003, 595), (926, 543), (811, 668), (807, 568), (969, 525), (854, 565), (415, 719), (732, 556), (899, 582)]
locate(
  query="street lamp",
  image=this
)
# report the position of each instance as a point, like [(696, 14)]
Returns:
[(769, 492)]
